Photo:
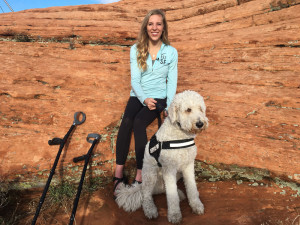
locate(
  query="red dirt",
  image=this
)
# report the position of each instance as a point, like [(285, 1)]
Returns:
[(226, 203)]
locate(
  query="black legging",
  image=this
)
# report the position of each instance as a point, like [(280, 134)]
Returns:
[(136, 117)]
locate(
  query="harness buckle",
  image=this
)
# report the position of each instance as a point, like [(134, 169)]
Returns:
[(153, 149)]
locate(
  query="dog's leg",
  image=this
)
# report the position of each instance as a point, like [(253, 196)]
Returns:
[(160, 187), (149, 175), (174, 214), (191, 189), (180, 192)]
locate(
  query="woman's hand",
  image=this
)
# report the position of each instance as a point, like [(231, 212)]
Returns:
[(150, 103)]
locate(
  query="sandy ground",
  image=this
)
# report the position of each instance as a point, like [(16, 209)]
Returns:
[(226, 203)]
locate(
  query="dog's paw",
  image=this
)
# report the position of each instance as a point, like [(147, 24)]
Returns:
[(150, 210), (151, 213), (198, 207), (174, 217)]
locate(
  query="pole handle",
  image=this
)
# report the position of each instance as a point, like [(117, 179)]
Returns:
[(55, 141), (94, 136), (79, 158), (90, 138), (76, 118)]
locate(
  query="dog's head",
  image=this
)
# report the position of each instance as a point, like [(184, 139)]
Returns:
[(188, 110)]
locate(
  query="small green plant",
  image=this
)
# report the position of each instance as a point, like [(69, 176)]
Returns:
[(22, 38), (278, 7), (93, 184), (9, 205), (3, 198), (62, 192)]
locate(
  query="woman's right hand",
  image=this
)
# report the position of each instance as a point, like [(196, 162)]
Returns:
[(150, 103)]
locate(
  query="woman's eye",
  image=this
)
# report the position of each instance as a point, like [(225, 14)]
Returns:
[(151, 24), (188, 110)]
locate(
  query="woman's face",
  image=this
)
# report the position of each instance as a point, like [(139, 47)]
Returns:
[(155, 27)]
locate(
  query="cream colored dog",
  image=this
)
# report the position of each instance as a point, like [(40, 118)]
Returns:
[(186, 118)]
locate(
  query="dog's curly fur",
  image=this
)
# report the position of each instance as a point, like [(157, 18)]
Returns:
[(187, 117)]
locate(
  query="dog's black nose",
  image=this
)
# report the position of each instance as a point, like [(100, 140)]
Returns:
[(199, 124)]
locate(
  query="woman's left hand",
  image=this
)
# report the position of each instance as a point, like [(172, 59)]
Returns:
[(150, 103)]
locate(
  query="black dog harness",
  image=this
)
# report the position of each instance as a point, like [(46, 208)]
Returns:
[(156, 146)]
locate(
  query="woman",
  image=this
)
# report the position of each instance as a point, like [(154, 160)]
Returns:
[(153, 65)]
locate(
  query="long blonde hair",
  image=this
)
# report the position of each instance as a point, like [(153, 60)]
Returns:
[(143, 38)]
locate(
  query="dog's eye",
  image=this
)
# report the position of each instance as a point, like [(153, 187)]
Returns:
[(188, 110), (201, 110)]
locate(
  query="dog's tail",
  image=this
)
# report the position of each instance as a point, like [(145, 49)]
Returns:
[(129, 197)]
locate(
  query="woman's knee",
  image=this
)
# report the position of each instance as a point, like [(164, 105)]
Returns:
[(139, 125), (127, 122)]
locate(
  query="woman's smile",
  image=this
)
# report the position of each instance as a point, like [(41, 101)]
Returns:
[(155, 27)]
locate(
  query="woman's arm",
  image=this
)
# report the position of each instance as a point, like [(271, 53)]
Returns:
[(172, 77), (136, 75)]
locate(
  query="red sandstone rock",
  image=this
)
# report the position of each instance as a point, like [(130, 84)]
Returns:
[(243, 57)]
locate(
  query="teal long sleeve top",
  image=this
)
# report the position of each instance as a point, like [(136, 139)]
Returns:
[(159, 80)]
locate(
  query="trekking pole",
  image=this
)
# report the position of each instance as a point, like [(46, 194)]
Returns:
[(61, 142), (86, 159)]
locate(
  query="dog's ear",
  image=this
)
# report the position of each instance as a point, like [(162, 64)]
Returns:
[(172, 112)]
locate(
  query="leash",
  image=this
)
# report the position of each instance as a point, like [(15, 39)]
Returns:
[(159, 108)]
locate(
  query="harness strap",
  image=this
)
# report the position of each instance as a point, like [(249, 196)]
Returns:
[(155, 146), (176, 144)]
